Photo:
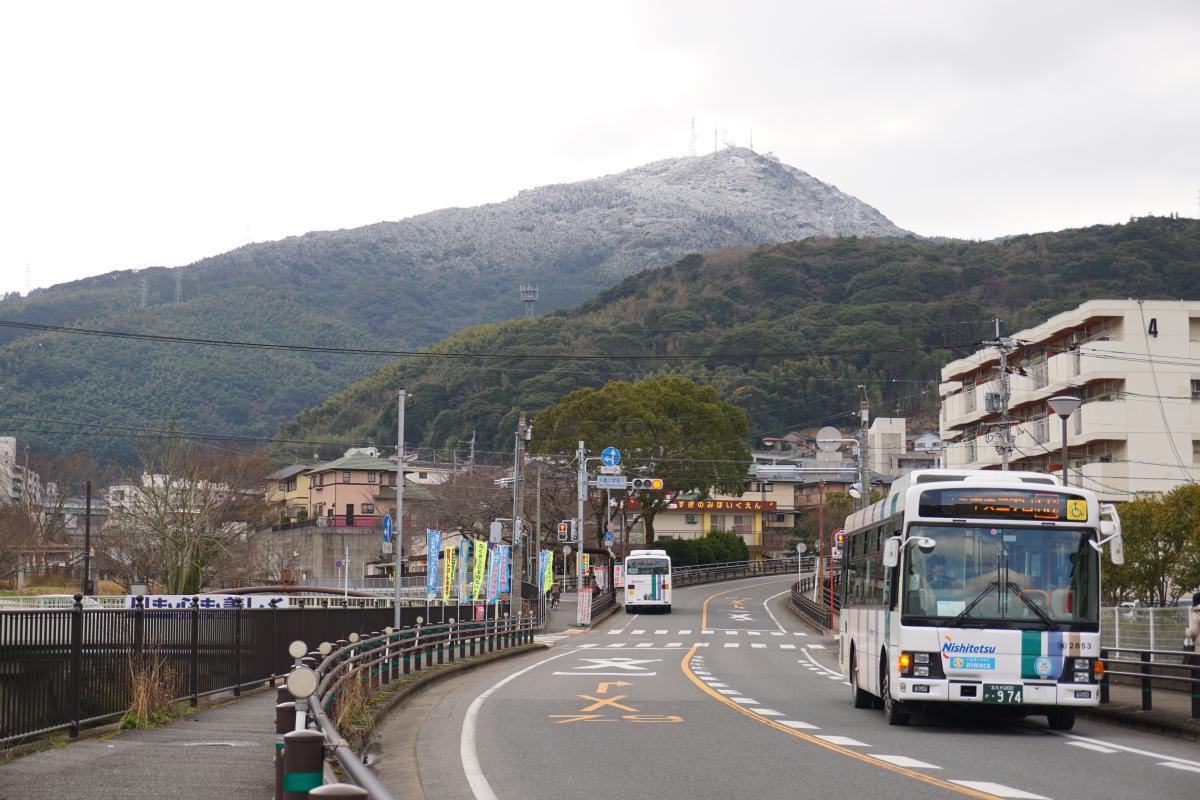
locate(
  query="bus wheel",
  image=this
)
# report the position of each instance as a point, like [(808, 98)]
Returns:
[(892, 709), (861, 698), (667, 609), (1061, 719)]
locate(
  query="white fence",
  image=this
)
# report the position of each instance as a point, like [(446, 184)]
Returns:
[(1143, 628)]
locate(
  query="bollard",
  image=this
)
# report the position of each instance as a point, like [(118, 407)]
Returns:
[(343, 790), (1146, 688), (1104, 677), (285, 720), (282, 695), (303, 762)]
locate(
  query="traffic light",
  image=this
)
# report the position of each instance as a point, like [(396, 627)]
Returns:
[(566, 531), (653, 484), (841, 539)]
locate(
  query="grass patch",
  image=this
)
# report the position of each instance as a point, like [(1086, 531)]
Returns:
[(152, 681)]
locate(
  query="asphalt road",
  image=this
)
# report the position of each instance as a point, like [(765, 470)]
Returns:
[(732, 696)]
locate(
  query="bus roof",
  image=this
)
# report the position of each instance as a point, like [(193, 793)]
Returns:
[(648, 553), (894, 501)]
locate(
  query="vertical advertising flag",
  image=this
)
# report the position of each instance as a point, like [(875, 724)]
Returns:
[(433, 544), (548, 572), (481, 557), (540, 579), (505, 568), (451, 570), (464, 567), (493, 569), (587, 562)]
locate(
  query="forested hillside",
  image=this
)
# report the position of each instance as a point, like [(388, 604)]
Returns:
[(392, 285), (788, 332)]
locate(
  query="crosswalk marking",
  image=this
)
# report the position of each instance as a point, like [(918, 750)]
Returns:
[(701, 644), (757, 645), (731, 633), (616, 632), (746, 701), (727, 691), (645, 644), (732, 644), (674, 644), (754, 633), (685, 633), (1000, 790), (787, 647), (660, 633), (639, 633), (905, 761), (767, 712), (777, 633)]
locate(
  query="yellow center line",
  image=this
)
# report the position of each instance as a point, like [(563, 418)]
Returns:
[(685, 666)]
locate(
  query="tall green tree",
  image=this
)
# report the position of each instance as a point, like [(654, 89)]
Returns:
[(670, 428), (1162, 548)]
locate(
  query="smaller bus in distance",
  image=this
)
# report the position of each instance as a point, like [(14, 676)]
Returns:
[(647, 581)]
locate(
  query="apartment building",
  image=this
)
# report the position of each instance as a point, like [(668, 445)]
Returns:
[(1135, 365)]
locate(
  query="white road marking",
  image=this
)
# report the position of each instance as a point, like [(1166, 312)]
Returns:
[(644, 644), (787, 647), (727, 691), (1116, 746), (1099, 748), (674, 644), (617, 644), (757, 645), (1000, 790), (701, 644), (617, 632), (732, 644), (719, 685), (754, 633), (844, 741), (798, 725), (638, 633), (585, 646), (1177, 765), (768, 610), (777, 633), (706, 632), (731, 633), (845, 683), (810, 647), (905, 761), (468, 753), (799, 633), (746, 701), (685, 633), (767, 712), (660, 633), (834, 677)]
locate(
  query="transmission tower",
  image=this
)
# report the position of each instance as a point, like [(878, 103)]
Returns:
[(145, 291), (692, 143), (178, 288), (529, 296)]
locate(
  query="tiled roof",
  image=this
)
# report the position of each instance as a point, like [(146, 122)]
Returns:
[(355, 462), (287, 472)]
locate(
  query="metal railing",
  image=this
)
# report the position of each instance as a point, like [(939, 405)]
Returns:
[(65, 669), (1179, 666), (707, 573), (381, 658)]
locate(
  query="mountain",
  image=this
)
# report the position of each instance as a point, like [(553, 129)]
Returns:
[(392, 285), (789, 332)]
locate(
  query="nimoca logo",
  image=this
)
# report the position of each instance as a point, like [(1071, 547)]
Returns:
[(950, 647)]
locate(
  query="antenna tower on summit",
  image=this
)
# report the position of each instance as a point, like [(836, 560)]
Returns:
[(692, 143), (529, 296), (178, 288), (144, 288)]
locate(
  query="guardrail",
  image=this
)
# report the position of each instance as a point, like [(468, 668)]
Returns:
[(814, 612), (707, 573), (372, 662), (1173, 665)]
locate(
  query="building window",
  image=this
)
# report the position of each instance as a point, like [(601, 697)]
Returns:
[(371, 477), (1041, 429), (368, 508), (1195, 390), (422, 475), (969, 396), (291, 485), (346, 476), (1040, 372)]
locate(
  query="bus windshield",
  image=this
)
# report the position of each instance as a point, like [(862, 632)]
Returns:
[(648, 566), (1036, 577)]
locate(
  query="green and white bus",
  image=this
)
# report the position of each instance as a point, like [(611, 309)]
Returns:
[(976, 588), (648, 581)]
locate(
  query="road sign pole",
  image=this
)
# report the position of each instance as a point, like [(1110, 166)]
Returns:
[(581, 495), (399, 576)]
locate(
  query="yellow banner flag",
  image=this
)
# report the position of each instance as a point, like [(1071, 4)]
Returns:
[(481, 554), (451, 567)]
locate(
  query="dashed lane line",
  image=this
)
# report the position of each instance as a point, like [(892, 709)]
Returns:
[(905, 761), (999, 790)]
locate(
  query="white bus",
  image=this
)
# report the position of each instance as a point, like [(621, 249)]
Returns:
[(647, 580), (976, 588)]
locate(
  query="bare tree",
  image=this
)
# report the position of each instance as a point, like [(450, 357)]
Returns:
[(17, 537), (190, 504)]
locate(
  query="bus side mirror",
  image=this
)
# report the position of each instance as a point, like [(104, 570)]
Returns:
[(891, 552), (1110, 532)]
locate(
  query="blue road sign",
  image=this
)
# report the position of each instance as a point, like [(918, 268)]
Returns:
[(387, 527), (608, 538), (610, 456)]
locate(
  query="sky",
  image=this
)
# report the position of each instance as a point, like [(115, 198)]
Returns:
[(155, 134)]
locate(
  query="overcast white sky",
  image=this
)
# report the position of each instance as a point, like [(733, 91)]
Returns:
[(154, 134)]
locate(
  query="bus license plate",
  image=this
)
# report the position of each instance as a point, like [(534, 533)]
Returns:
[(1002, 693)]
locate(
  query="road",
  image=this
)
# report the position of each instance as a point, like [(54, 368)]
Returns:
[(732, 696)]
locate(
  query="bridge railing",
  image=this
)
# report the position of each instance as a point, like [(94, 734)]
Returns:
[(707, 573), (356, 667)]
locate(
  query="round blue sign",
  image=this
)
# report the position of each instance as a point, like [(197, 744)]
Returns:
[(387, 527), (610, 456)]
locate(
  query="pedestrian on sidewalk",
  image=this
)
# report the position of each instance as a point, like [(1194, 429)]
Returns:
[(555, 594), (1193, 629)]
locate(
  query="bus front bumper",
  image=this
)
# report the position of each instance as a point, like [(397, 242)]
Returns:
[(1048, 694)]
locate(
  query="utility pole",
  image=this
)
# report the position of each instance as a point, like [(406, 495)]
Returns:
[(518, 555), (87, 539), (399, 526), (536, 544), (864, 412), (581, 495), (1005, 346)]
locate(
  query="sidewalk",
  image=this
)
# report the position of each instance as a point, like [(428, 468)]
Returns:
[(1171, 715), (221, 751)]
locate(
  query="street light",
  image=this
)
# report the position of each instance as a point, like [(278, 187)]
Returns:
[(1064, 405)]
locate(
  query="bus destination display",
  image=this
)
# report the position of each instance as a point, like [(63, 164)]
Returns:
[(1015, 504)]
